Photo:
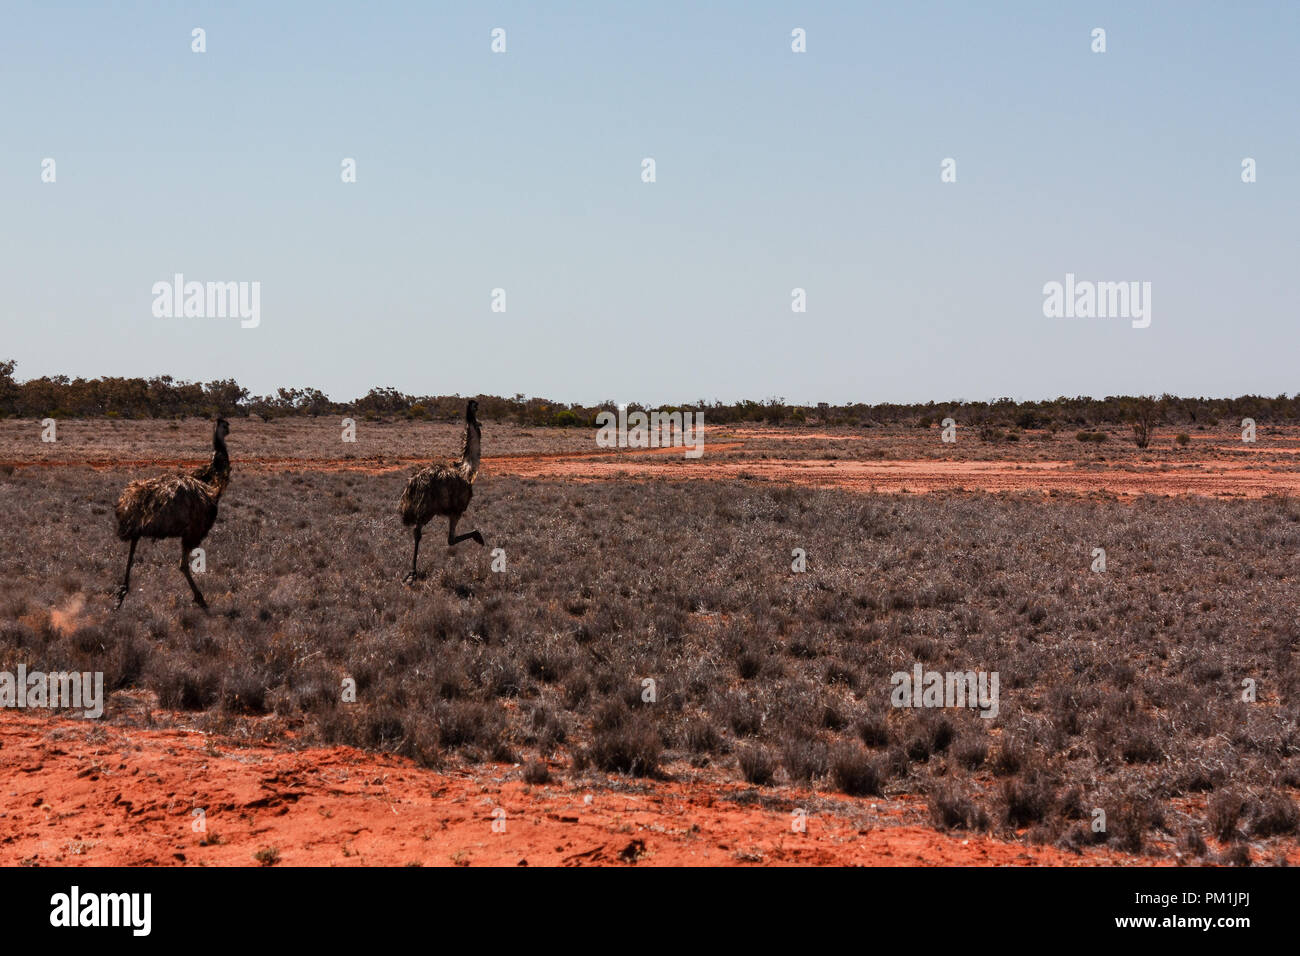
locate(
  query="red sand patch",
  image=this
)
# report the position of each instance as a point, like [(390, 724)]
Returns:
[(1194, 478), (77, 794)]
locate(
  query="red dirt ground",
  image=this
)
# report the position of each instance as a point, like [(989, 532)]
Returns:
[(109, 796)]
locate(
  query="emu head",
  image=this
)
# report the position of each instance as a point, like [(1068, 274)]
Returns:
[(471, 414), (222, 428)]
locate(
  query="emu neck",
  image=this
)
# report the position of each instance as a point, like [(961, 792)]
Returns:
[(218, 470), (467, 465)]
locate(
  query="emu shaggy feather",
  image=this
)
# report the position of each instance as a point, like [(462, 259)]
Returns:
[(436, 490), (181, 506)]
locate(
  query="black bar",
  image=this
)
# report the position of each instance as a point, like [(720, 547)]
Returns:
[(930, 906)]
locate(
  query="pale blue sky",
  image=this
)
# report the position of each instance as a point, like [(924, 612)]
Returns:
[(775, 170)]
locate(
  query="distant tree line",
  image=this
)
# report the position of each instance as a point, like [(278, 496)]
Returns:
[(59, 396)]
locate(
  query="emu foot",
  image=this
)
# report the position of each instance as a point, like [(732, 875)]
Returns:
[(119, 593), (477, 536), (411, 578)]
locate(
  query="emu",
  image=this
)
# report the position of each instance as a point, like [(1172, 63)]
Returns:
[(175, 506), (444, 490)]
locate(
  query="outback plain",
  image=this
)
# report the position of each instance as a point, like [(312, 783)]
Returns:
[(638, 675)]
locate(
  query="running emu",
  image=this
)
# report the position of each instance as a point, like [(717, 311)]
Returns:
[(175, 506), (444, 490)]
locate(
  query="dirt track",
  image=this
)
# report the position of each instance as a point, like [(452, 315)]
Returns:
[(1197, 478), (1220, 475)]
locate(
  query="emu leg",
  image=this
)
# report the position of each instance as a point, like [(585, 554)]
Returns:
[(454, 539), (126, 581), (186, 548), (415, 556)]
